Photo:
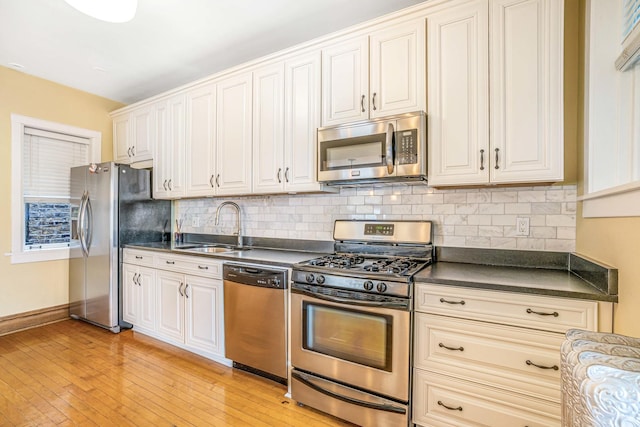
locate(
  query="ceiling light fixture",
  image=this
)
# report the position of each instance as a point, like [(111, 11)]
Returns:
[(116, 11)]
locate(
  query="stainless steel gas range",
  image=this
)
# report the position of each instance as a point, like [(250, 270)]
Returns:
[(351, 321)]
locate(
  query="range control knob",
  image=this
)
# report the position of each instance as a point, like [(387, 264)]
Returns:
[(320, 279), (310, 278), (368, 285), (382, 287)]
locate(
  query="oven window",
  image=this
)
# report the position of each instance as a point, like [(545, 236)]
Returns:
[(354, 152), (356, 336)]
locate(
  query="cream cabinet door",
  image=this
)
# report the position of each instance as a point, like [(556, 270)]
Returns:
[(396, 70), (204, 314), (302, 118), (458, 95), (200, 141), (234, 135), (170, 288), (143, 133), (526, 84), (170, 146), (130, 294), (147, 298), (345, 82), (121, 138), (268, 128)]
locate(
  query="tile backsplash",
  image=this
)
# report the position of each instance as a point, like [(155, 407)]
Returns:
[(483, 217)]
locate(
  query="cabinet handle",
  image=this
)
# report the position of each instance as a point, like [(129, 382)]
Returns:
[(554, 367), (444, 301), (451, 408), (362, 103), (135, 276), (180, 289), (451, 348), (138, 257), (203, 267), (164, 184), (218, 180), (185, 290), (129, 152), (170, 262), (481, 160), (138, 280), (211, 181), (373, 101), (497, 166), (286, 174), (278, 175), (169, 185), (133, 151), (539, 313)]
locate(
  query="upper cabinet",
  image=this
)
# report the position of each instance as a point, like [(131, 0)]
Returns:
[(234, 135), (373, 76), (286, 115), (134, 135), (168, 163), (495, 92), (200, 147)]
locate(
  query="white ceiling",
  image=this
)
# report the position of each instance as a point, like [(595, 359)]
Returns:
[(168, 43)]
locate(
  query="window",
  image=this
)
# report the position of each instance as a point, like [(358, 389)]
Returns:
[(612, 113), (42, 155)]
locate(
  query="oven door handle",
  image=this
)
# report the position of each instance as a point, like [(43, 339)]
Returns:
[(351, 400), (342, 300)]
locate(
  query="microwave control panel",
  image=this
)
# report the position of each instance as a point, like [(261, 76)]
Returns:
[(407, 146)]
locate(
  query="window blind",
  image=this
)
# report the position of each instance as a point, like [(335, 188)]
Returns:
[(47, 160)]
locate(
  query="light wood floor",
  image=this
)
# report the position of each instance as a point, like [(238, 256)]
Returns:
[(73, 373)]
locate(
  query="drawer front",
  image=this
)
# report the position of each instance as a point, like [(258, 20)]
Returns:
[(509, 308), (197, 266), (440, 400), (138, 257), (516, 359)]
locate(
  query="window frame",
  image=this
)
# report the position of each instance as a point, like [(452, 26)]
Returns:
[(18, 123)]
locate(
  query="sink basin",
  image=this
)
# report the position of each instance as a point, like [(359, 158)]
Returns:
[(210, 249)]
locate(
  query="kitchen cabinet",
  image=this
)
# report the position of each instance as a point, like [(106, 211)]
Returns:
[(374, 76), (190, 303), (495, 92), (200, 149), (286, 117), (139, 296), (234, 135), (493, 355), (169, 161), (133, 135)]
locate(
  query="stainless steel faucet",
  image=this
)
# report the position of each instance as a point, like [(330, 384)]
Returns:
[(235, 205)]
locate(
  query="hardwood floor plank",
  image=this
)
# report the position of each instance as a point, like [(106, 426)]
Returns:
[(73, 373)]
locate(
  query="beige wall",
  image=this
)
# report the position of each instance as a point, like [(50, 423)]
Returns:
[(31, 286), (614, 241)]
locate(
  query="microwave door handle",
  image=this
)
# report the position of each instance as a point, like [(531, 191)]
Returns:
[(347, 399), (390, 149)]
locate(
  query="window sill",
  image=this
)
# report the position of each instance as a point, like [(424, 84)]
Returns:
[(39, 256), (620, 201)]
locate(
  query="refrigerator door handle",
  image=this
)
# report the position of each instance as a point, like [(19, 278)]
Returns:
[(89, 224), (81, 227)]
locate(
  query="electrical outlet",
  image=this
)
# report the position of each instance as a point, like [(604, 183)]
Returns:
[(522, 226), (195, 221)]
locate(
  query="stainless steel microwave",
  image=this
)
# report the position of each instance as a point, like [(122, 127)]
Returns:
[(392, 148)]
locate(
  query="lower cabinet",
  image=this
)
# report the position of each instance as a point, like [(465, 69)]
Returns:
[(490, 358), (179, 301)]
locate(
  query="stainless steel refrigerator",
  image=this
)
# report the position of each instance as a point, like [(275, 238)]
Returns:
[(111, 206)]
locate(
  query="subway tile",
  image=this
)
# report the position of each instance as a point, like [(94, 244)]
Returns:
[(455, 198), (466, 208), (504, 197), (532, 196), (479, 220), (491, 208), (433, 198), (491, 230), (478, 242), (504, 243), (444, 209), (466, 230), (517, 208), (546, 208)]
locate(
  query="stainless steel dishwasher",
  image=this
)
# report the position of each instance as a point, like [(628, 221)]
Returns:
[(255, 320)]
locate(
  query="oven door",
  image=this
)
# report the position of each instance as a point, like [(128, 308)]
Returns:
[(352, 342)]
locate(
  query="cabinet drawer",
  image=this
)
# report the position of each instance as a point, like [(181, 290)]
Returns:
[(498, 355), (138, 257), (509, 308), (198, 266), (476, 405)]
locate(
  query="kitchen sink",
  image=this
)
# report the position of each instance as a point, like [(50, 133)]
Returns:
[(209, 248)]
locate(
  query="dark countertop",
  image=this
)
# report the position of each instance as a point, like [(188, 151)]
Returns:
[(278, 257), (540, 273)]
